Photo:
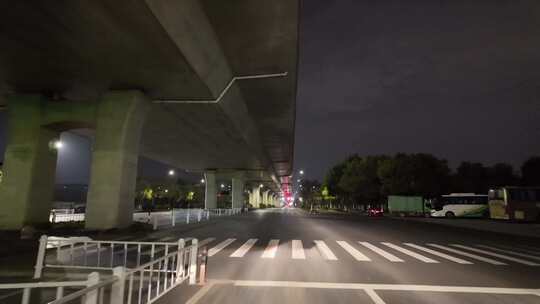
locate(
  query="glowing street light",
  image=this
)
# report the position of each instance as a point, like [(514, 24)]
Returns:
[(301, 172), (222, 186), (261, 185), (171, 172), (58, 144), (202, 181)]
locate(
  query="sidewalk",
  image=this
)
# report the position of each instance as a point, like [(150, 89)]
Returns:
[(502, 227)]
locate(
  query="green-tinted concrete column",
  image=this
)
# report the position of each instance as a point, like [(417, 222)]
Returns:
[(265, 197), (256, 196), (210, 194), (238, 190), (29, 165), (119, 120)]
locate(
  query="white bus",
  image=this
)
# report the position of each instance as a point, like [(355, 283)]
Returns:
[(460, 205)]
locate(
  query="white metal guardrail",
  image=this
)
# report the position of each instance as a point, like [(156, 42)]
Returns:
[(133, 281), (85, 253), (47, 290), (163, 219), (144, 284), (157, 219)]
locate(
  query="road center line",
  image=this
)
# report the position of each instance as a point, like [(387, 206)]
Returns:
[(394, 287), (374, 296)]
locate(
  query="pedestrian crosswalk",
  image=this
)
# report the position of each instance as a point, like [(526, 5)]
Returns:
[(367, 252)]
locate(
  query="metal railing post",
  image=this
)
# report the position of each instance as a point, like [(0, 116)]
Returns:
[(92, 296), (207, 215), (117, 290), (155, 221), (187, 217), (26, 296), (199, 215), (38, 268), (173, 217), (193, 262), (180, 260)]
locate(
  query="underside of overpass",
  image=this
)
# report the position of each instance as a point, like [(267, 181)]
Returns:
[(161, 73)]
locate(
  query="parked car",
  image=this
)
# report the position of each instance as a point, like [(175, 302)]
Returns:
[(375, 212)]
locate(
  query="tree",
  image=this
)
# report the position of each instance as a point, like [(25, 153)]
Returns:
[(414, 174), (471, 178), (360, 181), (530, 172), (501, 174), (310, 192)]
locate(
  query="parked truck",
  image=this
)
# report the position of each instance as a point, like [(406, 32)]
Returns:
[(407, 205)]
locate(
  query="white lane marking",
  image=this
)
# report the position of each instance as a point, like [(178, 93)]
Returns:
[(497, 255), (325, 251), (206, 241), (512, 252), (240, 252), (169, 238), (374, 296), (200, 293), (438, 253), (383, 253), (352, 251), (298, 250), (470, 255), (396, 287), (220, 247), (521, 249), (271, 249), (415, 255)]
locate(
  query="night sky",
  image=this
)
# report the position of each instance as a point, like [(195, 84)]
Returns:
[(452, 78), (457, 79)]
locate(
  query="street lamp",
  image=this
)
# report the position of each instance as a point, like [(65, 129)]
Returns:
[(261, 185), (171, 172), (222, 186), (301, 172), (202, 181)]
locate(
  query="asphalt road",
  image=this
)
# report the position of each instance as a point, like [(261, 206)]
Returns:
[(289, 256)]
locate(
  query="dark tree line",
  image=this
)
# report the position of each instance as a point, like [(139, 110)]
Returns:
[(370, 179)]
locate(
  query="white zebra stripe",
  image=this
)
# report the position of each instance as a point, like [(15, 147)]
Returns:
[(497, 255), (385, 254), (470, 255), (438, 253)]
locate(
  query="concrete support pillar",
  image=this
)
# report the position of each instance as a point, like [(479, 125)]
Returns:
[(256, 196), (238, 191), (29, 165), (265, 197), (210, 194), (119, 118)]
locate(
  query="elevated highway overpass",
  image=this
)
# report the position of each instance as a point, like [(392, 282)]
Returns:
[(206, 85)]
